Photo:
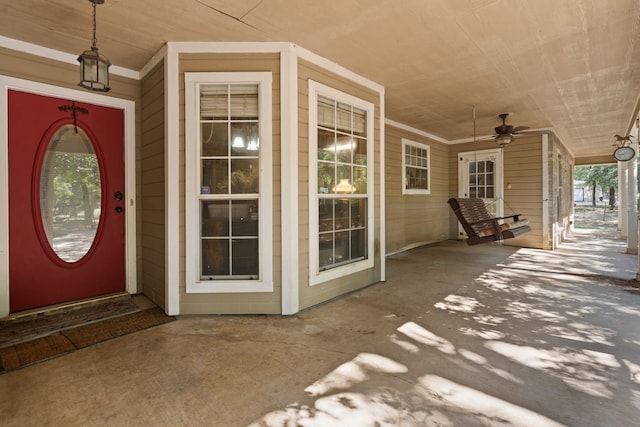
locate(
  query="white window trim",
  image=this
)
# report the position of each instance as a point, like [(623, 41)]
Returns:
[(315, 275), (412, 191), (192, 214)]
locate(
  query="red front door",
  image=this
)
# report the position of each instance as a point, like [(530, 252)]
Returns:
[(66, 200)]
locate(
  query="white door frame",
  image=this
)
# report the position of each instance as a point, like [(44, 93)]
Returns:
[(495, 204), (128, 107)]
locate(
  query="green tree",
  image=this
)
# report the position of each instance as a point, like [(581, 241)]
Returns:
[(603, 177)]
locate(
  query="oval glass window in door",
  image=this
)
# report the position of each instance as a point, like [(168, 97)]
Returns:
[(70, 193)]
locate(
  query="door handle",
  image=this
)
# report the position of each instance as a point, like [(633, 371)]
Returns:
[(119, 209), (117, 195)]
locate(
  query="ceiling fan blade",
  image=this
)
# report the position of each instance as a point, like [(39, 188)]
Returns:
[(519, 129), (485, 138), (503, 129), (531, 132)]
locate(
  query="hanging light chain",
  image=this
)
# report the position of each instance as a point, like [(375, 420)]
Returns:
[(94, 40)]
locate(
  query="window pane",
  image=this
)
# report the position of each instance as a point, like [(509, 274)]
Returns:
[(244, 139), (244, 176), (326, 177), (215, 139), (344, 148), (489, 166), (360, 151), (215, 218), (342, 219), (325, 253), (244, 216), (215, 257), (358, 244), (214, 102), (359, 122), (343, 248), (424, 179), (358, 213), (215, 177), (360, 180), (70, 193), (343, 117), (325, 214), (344, 178), (326, 145), (245, 257), (244, 102), (326, 112)]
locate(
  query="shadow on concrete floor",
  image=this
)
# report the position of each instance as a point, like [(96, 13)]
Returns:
[(487, 335)]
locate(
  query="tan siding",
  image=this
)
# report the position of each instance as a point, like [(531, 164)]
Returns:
[(269, 303), (25, 66), (312, 295), (413, 220), (152, 193), (523, 170)]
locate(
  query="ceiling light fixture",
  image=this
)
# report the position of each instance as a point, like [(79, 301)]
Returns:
[(94, 68), (504, 140)]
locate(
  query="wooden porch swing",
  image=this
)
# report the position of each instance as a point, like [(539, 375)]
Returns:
[(481, 227), (477, 222)]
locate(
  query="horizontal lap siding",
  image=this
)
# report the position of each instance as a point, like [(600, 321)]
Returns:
[(312, 295), (152, 191), (29, 67), (413, 220), (230, 303), (523, 171)]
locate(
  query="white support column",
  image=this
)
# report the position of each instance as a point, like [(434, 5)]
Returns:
[(632, 204), (620, 195), (624, 197)]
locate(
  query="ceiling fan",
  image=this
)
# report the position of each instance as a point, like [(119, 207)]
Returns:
[(505, 133)]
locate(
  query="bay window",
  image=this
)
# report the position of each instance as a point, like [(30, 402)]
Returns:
[(228, 163), (341, 177)]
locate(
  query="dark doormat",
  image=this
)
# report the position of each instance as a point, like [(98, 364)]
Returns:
[(64, 341), (24, 327)]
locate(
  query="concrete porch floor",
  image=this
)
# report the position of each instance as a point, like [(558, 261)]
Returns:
[(457, 336)]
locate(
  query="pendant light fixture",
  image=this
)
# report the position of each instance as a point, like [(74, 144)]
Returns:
[(94, 68)]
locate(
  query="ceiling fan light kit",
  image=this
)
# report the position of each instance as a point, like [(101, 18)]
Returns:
[(505, 133), (503, 140)]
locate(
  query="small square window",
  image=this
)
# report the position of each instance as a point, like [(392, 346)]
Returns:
[(416, 158)]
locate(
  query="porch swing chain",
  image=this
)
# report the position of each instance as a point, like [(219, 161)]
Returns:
[(494, 201), (473, 114)]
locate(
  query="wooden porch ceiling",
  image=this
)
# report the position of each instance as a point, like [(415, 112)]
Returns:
[(573, 66)]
